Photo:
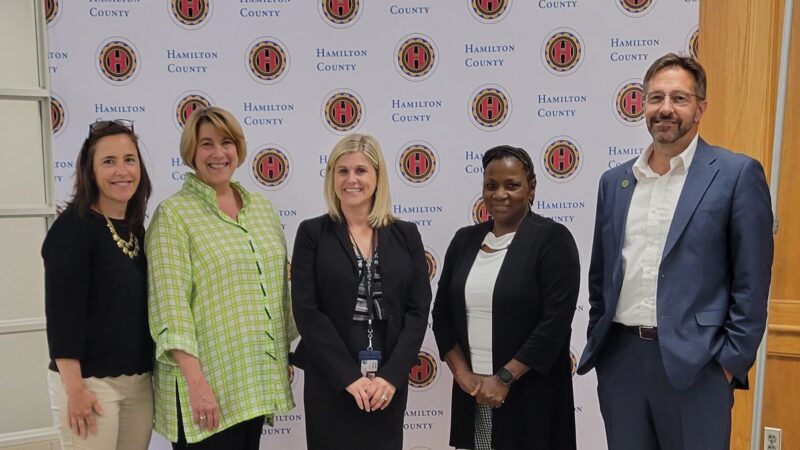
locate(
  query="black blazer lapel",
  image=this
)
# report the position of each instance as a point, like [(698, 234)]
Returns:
[(343, 235), (470, 251), (393, 273), (511, 270), (466, 257)]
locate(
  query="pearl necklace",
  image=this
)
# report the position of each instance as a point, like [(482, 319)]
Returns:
[(130, 247)]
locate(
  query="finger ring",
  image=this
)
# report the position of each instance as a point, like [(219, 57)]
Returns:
[(384, 397), (202, 417)]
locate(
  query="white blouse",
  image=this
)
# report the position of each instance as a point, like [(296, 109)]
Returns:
[(478, 293)]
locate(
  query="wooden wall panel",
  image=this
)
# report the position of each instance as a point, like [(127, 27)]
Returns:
[(782, 378), (781, 394), (740, 49), (786, 283)]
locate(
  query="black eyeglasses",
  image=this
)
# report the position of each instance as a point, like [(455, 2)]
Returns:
[(100, 124)]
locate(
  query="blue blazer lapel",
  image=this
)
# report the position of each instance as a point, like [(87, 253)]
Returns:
[(701, 173), (623, 192)]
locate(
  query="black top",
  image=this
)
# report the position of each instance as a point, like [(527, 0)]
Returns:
[(95, 297)]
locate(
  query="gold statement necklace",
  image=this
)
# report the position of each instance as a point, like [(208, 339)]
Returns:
[(129, 247)]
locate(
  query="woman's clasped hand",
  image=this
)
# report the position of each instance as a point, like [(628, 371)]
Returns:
[(371, 394)]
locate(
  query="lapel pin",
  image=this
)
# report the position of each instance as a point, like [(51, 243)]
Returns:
[(625, 183)]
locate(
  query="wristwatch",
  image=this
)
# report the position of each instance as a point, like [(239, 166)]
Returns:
[(505, 376)]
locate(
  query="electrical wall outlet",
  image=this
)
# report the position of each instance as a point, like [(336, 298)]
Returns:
[(772, 438)]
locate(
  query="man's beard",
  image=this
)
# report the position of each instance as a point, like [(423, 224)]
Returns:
[(673, 134)]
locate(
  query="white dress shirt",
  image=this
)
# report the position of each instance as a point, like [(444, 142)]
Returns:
[(478, 294), (649, 218)]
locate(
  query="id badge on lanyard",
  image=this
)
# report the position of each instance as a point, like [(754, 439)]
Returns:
[(369, 359)]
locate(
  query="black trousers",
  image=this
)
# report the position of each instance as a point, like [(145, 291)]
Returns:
[(242, 436)]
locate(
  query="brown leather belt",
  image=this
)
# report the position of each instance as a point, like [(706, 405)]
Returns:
[(646, 333)]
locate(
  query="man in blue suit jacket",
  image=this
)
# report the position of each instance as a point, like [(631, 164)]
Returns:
[(679, 276)]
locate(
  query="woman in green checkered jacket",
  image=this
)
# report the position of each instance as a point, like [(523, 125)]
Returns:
[(218, 300)]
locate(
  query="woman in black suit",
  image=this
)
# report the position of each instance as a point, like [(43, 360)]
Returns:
[(502, 318), (361, 296)]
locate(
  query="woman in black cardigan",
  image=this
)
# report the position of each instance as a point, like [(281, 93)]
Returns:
[(359, 284), (502, 318)]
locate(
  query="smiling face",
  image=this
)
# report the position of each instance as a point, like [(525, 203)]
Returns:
[(117, 172), (216, 158), (507, 193), (667, 122), (354, 182)]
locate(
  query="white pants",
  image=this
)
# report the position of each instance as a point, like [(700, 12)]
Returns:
[(127, 420)]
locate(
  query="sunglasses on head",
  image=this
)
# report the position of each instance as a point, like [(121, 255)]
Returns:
[(100, 124)]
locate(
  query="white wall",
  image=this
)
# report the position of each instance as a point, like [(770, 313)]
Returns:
[(26, 205)]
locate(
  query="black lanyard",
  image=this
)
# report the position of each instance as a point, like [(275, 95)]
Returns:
[(369, 269)]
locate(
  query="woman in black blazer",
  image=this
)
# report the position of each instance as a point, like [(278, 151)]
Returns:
[(502, 318), (359, 289)]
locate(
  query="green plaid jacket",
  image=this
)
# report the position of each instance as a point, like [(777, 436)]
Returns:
[(218, 290)]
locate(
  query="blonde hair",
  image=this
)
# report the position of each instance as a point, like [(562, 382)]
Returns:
[(381, 213), (220, 119)]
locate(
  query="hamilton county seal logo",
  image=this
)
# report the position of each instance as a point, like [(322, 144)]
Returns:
[(52, 9), (430, 260), (423, 374), (635, 8), (693, 43), (562, 52), (489, 11), (629, 103), (58, 115), (490, 107), (117, 61), (267, 60), (561, 158), (190, 14), (342, 111), (479, 213), (417, 163), (416, 57), (271, 167), (340, 13), (187, 104)]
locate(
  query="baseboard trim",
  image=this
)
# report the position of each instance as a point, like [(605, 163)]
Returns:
[(27, 325), (28, 436)]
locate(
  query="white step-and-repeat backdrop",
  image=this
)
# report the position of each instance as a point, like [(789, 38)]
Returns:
[(436, 82)]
